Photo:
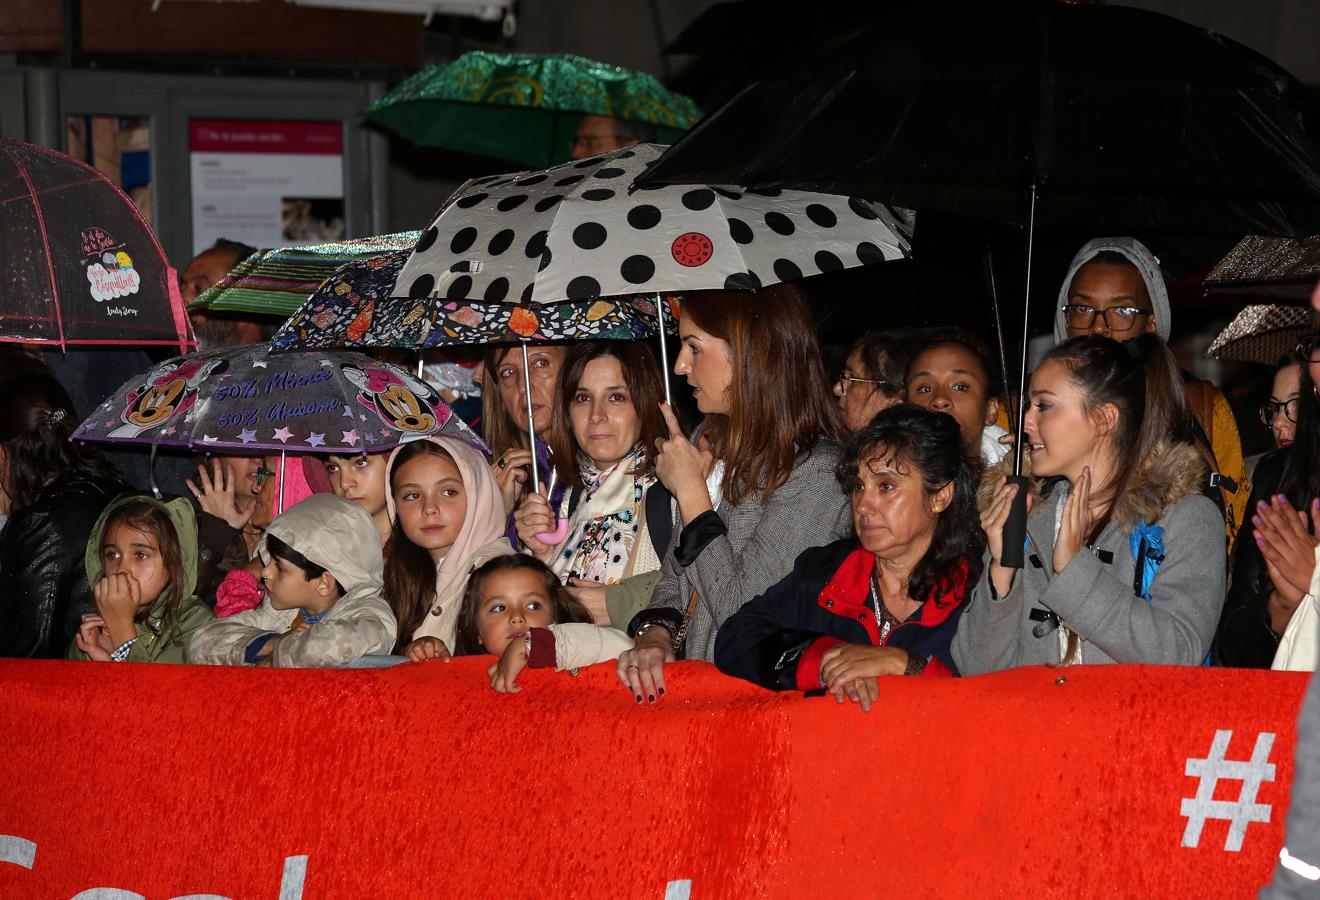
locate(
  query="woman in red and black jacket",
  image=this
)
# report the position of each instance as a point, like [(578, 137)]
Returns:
[(886, 602)]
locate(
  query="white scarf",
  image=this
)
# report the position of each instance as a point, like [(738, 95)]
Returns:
[(602, 531)]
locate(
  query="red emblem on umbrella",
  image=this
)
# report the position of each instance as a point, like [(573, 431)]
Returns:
[(692, 249)]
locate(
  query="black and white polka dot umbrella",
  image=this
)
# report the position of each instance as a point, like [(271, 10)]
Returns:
[(576, 232)]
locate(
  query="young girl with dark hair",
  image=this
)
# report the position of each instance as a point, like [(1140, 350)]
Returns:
[(142, 561), (448, 519), (55, 490), (516, 609), (886, 602), (754, 487), (1125, 557)]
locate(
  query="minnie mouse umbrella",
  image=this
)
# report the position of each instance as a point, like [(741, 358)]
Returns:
[(248, 400)]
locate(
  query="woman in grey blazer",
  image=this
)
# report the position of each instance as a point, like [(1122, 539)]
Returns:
[(754, 487)]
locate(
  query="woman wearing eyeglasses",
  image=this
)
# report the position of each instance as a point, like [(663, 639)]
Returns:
[(1275, 552), (1114, 288), (872, 378)]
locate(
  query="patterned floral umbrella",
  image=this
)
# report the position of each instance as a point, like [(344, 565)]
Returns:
[(578, 232), (248, 400), (1262, 334), (354, 309)]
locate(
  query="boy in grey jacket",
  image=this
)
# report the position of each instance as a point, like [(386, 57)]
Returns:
[(323, 578)]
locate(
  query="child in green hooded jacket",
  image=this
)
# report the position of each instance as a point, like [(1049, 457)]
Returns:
[(142, 565)]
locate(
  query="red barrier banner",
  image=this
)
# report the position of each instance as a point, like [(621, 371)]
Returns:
[(138, 781)]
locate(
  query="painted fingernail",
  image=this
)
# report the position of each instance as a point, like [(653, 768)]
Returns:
[(662, 692), (650, 698), (1256, 519), (639, 698), (1260, 540)]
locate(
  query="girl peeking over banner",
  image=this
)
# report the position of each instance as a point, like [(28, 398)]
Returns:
[(142, 564), (448, 519), (516, 609), (887, 601), (322, 606), (1124, 558)]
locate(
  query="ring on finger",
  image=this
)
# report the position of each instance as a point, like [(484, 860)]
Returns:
[(635, 666), (503, 462)]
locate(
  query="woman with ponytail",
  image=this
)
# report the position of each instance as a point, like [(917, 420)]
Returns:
[(1114, 479), (55, 491)]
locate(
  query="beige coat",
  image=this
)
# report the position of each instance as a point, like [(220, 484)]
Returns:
[(442, 621), (581, 644), (341, 537)]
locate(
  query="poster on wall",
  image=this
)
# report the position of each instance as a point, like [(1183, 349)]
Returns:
[(266, 183)]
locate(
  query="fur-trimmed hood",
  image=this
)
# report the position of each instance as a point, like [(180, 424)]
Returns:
[(1171, 472)]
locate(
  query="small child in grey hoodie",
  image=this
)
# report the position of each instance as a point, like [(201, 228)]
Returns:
[(322, 577)]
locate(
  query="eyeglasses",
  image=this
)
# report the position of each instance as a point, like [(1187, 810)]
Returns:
[(1119, 318), (842, 382), (1309, 349), (1269, 410)]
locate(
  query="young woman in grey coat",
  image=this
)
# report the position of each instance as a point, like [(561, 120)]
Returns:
[(754, 488), (1115, 478)]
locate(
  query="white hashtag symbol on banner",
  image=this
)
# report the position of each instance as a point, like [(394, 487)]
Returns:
[(1239, 813)]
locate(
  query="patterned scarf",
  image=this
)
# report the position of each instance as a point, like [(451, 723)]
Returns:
[(603, 530)]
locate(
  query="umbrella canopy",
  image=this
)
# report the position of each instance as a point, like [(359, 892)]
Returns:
[(576, 232), (1279, 268), (1121, 118), (80, 264), (277, 282), (354, 309), (1262, 334), (247, 400), (524, 107)]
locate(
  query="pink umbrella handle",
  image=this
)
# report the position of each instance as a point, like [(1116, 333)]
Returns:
[(553, 538)]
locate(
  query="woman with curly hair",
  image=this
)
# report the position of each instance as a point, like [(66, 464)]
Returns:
[(886, 602)]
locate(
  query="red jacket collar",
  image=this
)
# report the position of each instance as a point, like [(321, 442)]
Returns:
[(847, 591)]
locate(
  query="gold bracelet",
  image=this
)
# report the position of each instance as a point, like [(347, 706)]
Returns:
[(647, 627)]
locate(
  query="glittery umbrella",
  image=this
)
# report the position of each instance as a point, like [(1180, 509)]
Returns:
[(248, 400), (276, 282), (1262, 334), (1278, 268), (524, 107)]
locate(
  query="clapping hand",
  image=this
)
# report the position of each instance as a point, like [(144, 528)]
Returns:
[(1076, 524)]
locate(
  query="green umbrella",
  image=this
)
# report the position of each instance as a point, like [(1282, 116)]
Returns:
[(277, 282), (525, 107)]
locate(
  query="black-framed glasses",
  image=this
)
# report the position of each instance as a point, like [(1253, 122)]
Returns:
[(1118, 318), (842, 382), (1271, 409), (1309, 348)]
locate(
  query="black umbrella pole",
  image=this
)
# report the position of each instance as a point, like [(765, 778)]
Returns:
[(1012, 553)]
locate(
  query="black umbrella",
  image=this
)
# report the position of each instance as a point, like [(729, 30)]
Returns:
[(1029, 112)]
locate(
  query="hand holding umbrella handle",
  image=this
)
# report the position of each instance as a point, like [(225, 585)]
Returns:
[(1015, 529), (553, 538)]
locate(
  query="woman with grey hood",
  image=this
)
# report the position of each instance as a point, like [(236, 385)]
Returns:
[(1125, 557), (1114, 287), (322, 578)]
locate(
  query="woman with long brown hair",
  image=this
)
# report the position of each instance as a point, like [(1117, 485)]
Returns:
[(1125, 555), (603, 445), (754, 487)]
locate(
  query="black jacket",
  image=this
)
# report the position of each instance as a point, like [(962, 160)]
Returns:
[(776, 640), (1244, 639), (43, 585)]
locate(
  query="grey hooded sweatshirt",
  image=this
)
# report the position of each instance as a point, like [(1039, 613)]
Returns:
[(341, 537), (1147, 264)]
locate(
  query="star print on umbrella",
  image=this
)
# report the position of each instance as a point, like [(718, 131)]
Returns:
[(294, 402)]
